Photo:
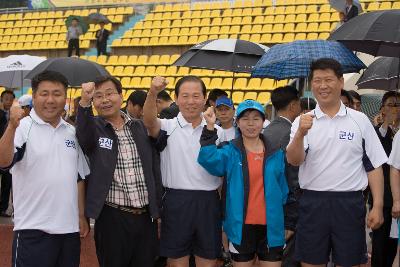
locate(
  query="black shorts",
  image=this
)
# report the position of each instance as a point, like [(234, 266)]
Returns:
[(37, 248), (254, 242), (331, 221), (191, 224)]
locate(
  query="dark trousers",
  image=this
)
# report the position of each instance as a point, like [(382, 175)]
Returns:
[(6, 182), (32, 248), (124, 239), (73, 44), (384, 248), (101, 48)]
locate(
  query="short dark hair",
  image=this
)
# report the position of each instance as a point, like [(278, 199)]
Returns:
[(325, 64), (307, 103), (355, 95), (51, 76), (216, 93), (282, 96), (7, 92), (163, 95), (347, 95), (137, 98), (387, 95), (190, 78), (108, 78)]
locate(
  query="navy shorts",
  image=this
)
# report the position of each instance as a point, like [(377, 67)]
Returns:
[(37, 248), (191, 224), (254, 242), (331, 221)]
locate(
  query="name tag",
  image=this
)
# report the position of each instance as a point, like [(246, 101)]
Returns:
[(343, 135), (70, 143), (105, 143)]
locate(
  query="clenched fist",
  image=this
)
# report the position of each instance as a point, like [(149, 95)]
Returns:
[(158, 84), (305, 124), (87, 93), (209, 116), (16, 115)]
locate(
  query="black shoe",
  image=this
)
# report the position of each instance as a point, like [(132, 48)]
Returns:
[(4, 214)]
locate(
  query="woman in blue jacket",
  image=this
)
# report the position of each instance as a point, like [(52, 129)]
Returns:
[(254, 190)]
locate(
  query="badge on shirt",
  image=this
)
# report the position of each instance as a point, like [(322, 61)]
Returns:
[(70, 143), (105, 143), (343, 135)]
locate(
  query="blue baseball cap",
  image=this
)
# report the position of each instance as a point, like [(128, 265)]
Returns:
[(223, 100), (248, 105)]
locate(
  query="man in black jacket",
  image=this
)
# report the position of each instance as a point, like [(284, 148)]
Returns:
[(351, 10), (287, 105), (124, 188), (384, 248), (101, 39)]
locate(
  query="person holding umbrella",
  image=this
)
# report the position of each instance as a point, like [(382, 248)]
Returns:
[(73, 34), (351, 10), (339, 154), (102, 35)]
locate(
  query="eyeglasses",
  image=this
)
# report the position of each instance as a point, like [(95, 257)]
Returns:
[(106, 95), (393, 105)]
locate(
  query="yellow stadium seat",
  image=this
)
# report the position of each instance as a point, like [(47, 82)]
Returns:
[(237, 97), (153, 60), (140, 71), (323, 35), (277, 28), (289, 37), (245, 37), (116, 43), (110, 69), (128, 10), (145, 83), (301, 18), (173, 58), (289, 27), (255, 38), (258, 20), (174, 31), (227, 83), (240, 83), (186, 23), (144, 41), (236, 20), (313, 17), (267, 84), (301, 27), (246, 29), (125, 81), (312, 27), (226, 21), (134, 42), (300, 36), (216, 21), (247, 20), (290, 10), (128, 71), (396, 5), (164, 32), (250, 95), (267, 28), (279, 19), (263, 97), (160, 70), (193, 40), (280, 10), (173, 40), (125, 42), (234, 29), (135, 82), (312, 36), (150, 70), (311, 9), (254, 84), (223, 36), (277, 38), (159, 8), (119, 71), (290, 18), (164, 60), (142, 60), (215, 83), (325, 17), (373, 6), (183, 71), (265, 38)]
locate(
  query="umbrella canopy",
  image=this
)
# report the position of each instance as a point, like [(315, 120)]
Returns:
[(76, 70), (95, 18), (381, 74), (293, 60), (81, 22), (14, 68), (375, 33), (340, 5), (223, 54)]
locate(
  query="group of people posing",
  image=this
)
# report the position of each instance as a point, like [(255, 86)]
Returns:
[(290, 194)]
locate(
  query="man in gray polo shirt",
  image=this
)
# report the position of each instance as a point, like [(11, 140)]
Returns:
[(191, 216)]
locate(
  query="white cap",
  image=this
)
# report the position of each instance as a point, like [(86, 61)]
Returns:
[(25, 100)]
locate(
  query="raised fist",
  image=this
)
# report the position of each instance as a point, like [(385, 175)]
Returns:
[(158, 84), (87, 93), (305, 124)]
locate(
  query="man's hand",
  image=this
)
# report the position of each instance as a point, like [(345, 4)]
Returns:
[(84, 227), (288, 234), (210, 118), (375, 218), (158, 84), (305, 124), (396, 209), (87, 94), (16, 115)]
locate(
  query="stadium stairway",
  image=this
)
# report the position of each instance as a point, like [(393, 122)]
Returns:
[(117, 33)]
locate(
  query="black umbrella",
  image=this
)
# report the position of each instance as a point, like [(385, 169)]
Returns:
[(223, 54), (375, 33), (76, 70), (95, 18), (381, 74)]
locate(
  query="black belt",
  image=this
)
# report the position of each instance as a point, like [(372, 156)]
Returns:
[(136, 211)]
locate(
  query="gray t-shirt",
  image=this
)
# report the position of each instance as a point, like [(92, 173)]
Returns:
[(74, 32)]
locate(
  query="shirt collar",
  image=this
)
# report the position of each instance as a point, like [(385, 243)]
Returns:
[(319, 113), (183, 122), (286, 119), (35, 117)]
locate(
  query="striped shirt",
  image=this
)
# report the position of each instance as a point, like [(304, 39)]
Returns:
[(128, 187)]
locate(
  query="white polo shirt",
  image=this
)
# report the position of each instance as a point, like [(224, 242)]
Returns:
[(334, 151), (45, 190), (179, 167), (394, 158)]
